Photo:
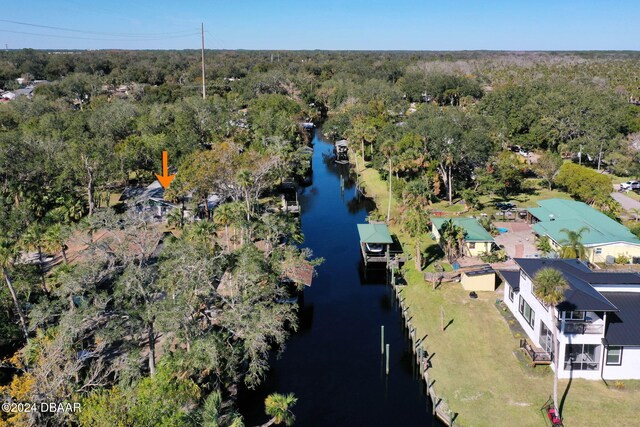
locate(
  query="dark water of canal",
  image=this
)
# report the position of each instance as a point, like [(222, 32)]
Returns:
[(333, 363)]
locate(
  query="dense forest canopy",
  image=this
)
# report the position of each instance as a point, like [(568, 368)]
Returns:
[(136, 313)]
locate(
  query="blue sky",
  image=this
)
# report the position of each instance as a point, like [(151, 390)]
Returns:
[(331, 24)]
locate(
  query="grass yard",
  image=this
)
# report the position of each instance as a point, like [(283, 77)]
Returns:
[(479, 369), (476, 363), (536, 190)]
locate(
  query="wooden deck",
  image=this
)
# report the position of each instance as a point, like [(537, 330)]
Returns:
[(537, 355), (392, 258)]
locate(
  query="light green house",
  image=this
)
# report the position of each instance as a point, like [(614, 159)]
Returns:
[(602, 237), (477, 240)]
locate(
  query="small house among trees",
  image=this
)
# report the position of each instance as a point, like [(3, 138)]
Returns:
[(476, 240)]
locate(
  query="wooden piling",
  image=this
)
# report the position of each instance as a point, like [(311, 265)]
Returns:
[(387, 356)]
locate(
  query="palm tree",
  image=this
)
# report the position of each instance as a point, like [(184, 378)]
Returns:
[(451, 240), (548, 286), (34, 238), (278, 407), (636, 213), (246, 180), (223, 215), (55, 237), (543, 244), (572, 246), (415, 222), (7, 256), (202, 232)]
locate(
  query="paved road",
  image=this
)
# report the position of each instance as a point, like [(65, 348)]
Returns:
[(627, 202)]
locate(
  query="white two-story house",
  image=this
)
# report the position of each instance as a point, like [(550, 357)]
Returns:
[(598, 322)]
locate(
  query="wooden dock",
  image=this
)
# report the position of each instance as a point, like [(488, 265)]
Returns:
[(422, 361)]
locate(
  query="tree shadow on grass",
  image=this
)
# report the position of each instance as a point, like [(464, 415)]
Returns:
[(566, 392), (448, 324), (432, 254)]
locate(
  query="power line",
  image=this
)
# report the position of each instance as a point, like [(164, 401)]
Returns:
[(173, 33), (214, 39), (99, 39)]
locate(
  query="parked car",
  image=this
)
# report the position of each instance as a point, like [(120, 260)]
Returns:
[(630, 185), (505, 206)]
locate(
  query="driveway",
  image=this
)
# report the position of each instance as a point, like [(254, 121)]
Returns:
[(627, 202), (519, 241)]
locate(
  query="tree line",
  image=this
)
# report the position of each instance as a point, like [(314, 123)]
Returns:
[(134, 313)]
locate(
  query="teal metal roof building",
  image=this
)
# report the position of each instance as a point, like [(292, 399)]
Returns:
[(374, 233), (473, 231), (553, 215)]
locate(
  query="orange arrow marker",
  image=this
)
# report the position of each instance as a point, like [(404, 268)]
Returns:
[(165, 179)]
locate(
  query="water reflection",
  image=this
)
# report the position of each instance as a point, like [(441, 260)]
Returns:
[(333, 364)]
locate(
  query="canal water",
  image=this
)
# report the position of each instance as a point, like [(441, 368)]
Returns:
[(333, 363)]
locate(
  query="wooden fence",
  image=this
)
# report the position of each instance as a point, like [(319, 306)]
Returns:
[(439, 407)]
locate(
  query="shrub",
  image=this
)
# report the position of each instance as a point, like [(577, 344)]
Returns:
[(622, 259), (497, 256), (584, 183)]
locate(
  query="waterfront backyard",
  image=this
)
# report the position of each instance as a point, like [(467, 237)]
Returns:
[(478, 367), (476, 363)]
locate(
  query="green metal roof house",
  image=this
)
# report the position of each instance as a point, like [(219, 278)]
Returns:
[(477, 240), (603, 235)]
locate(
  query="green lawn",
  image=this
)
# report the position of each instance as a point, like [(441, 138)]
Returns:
[(479, 370), (476, 363), (535, 190)]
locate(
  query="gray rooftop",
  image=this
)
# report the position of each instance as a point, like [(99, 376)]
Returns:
[(623, 327)]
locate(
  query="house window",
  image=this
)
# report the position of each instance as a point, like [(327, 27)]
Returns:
[(598, 251), (511, 293), (526, 311), (574, 315), (472, 245), (582, 357), (546, 338), (614, 355)]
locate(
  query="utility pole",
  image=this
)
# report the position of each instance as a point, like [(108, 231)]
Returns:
[(580, 155), (600, 156), (204, 90)]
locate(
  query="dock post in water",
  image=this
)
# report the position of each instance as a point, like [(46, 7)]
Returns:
[(413, 339), (387, 355), (382, 339)]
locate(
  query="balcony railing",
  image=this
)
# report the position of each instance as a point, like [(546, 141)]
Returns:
[(575, 328)]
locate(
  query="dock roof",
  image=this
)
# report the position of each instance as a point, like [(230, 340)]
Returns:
[(473, 231), (558, 214), (374, 233)]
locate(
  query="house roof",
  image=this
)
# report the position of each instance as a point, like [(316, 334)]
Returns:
[(580, 295), (557, 214), (623, 327), (512, 277), (374, 233), (473, 231), (482, 271)]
